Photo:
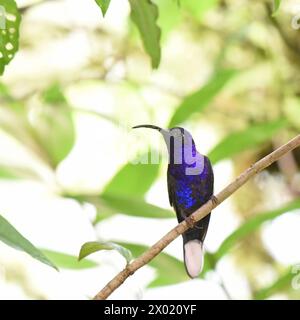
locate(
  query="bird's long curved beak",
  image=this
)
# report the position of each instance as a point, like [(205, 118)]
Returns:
[(150, 126), (165, 133)]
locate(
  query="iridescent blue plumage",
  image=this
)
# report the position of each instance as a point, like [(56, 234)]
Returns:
[(190, 185), (185, 194)]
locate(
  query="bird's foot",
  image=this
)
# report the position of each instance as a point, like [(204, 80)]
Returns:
[(214, 200), (190, 221)]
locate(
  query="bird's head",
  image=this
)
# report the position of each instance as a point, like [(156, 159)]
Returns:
[(178, 141)]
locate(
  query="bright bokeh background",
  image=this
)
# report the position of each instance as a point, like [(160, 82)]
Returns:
[(100, 66)]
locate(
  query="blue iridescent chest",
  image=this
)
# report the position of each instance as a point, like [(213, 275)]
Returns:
[(190, 189)]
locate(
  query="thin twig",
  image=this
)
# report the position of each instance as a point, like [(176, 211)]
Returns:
[(224, 288), (196, 216)]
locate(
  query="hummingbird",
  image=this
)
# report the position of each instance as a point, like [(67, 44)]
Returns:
[(190, 181)]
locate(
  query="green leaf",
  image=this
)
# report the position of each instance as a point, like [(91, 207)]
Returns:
[(251, 137), (67, 261), (135, 207), (144, 14), (276, 7), (10, 236), (281, 284), (169, 269), (199, 100), (49, 130), (109, 205), (10, 19), (103, 4), (128, 180), (53, 125), (55, 132), (94, 246), (253, 224)]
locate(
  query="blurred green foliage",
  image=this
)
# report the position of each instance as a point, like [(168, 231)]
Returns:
[(169, 270), (248, 92), (200, 99), (133, 173), (237, 142), (67, 261), (283, 283), (276, 6), (251, 225)]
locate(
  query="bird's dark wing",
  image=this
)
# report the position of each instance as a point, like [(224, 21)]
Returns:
[(171, 187), (205, 184), (202, 190), (201, 187)]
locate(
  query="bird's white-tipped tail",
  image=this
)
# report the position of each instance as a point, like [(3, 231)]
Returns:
[(193, 257)]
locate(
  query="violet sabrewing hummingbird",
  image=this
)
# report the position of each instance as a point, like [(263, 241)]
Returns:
[(190, 182)]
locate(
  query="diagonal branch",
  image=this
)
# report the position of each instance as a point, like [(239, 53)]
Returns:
[(196, 216)]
